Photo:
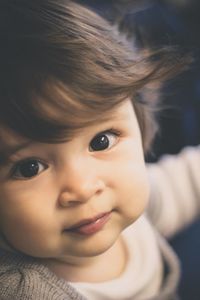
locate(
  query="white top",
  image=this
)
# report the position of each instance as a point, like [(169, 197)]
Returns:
[(143, 274)]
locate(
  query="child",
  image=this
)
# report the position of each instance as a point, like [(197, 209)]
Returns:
[(72, 175)]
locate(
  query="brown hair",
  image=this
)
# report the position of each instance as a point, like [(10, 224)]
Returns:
[(63, 67)]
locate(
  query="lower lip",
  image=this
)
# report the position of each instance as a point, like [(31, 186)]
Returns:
[(92, 227)]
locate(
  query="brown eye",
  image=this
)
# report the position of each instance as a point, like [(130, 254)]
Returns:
[(28, 169), (103, 141)]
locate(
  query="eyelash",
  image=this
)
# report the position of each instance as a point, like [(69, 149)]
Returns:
[(113, 131)]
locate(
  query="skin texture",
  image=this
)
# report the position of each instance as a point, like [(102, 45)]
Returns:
[(75, 182)]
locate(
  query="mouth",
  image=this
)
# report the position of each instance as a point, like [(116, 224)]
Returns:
[(90, 226)]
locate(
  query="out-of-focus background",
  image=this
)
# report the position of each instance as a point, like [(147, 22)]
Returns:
[(157, 23), (152, 24)]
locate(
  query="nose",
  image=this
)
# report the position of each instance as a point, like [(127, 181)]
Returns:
[(81, 182)]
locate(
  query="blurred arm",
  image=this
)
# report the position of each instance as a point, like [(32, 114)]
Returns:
[(175, 191)]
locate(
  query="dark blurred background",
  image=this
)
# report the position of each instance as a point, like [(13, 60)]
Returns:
[(153, 24)]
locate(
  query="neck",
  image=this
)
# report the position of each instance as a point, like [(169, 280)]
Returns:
[(104, 267)]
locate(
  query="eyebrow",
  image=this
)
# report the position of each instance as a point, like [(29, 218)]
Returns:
[(7, 150)]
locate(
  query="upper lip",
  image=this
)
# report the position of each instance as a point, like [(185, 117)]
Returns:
[(87, 221)]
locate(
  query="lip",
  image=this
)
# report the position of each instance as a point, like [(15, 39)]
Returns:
[(90, 226)]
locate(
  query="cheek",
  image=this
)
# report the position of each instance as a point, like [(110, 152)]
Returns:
[(26, 220), (133, 191), (23, 223), (33, 234), (140, 194)]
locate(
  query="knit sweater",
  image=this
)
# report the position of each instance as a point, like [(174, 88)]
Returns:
[(175, 188)]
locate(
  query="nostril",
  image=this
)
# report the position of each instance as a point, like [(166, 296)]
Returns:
[(73, 203), (67, 203), (99, 191)]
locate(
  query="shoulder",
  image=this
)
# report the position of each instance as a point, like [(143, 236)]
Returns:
[(26, 279), (17, 279)]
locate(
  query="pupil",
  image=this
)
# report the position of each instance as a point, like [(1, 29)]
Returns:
[(100, 143), (29, 169)]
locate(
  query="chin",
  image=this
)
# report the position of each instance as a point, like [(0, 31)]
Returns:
[(95, 251), (97, 245)]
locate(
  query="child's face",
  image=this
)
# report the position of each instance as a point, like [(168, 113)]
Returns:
[(47, 189)]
